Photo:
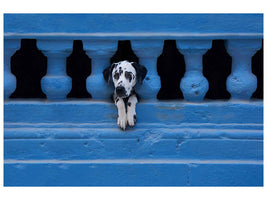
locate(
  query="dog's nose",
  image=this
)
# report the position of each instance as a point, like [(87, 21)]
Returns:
[(120, 90)]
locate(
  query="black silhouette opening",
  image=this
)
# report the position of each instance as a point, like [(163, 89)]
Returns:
[(78, 68), (257, 69), (124, 52), (217, 65), (29, 65), (171, 69)]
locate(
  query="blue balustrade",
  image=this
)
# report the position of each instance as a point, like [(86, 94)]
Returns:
[(242, 83), (56, 84), (148, 53), (10, 47), (194, 85), (76, 142), (100, 52)]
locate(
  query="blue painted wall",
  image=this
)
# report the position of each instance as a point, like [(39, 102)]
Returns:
[(122, 26), (60, 142), (133, 23), (173, 144)]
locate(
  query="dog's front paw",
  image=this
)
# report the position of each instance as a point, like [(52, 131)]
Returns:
[(122, 122), (131, 118)]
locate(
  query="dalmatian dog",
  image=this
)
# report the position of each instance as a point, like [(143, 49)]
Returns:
[(125, 75)]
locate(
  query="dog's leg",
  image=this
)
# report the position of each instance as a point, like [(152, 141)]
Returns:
[(122, 119), (131, 114)]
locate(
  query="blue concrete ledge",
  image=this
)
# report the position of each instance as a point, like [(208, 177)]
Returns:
[(174, 144), (134, 26), (166, 112)]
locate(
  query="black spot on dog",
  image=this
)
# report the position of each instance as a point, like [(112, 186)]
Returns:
[(120, 71), (129, 76), (125, 100), (117, 99), (116, 75), (129, 104)]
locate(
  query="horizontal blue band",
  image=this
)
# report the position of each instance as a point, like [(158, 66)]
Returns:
[(131, 26)]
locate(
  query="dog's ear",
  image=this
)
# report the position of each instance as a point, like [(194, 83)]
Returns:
[(141, 71), (107, 73)]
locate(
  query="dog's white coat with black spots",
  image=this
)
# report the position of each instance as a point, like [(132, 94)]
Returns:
[(125, 75)]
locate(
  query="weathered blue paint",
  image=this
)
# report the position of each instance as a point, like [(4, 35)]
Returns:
[(10, 47), (168, 113), (146, 26), (148, 144), (56, 84), (133, 173), (66, 138), (175, 143), (100, 44), (100, 52), (148, 52), (242, 82), (194, 85)]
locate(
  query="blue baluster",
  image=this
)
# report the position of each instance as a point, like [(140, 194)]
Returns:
[(242, 82), (10, 47), (148, 52), (100, 52), (56, 84), (194, 85)]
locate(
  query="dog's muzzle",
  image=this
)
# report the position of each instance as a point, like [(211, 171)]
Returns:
[(120, 91)]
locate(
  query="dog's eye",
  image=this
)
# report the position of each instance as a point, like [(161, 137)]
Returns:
[(116, 76), (128, 75)]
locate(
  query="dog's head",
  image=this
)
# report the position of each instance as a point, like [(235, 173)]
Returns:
[(125, 75)]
